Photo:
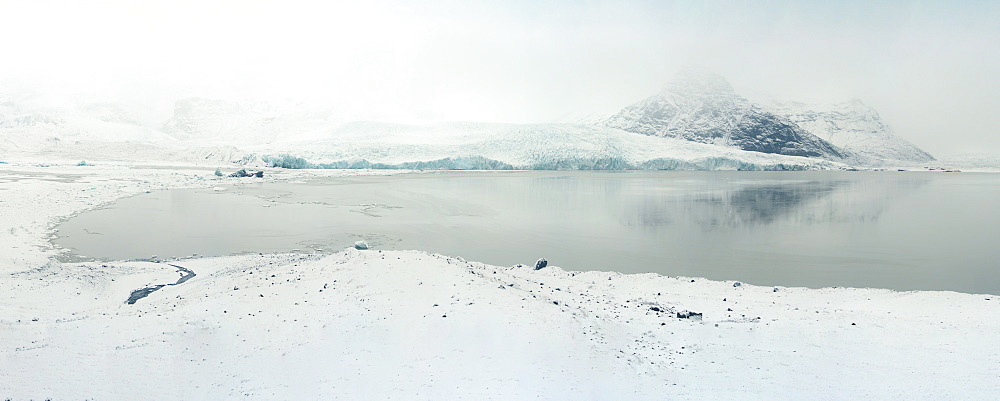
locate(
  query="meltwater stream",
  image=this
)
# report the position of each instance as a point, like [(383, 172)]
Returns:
[(136, 295), (897, 230)]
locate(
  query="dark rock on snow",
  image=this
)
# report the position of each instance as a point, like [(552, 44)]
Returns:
[(243, 173)]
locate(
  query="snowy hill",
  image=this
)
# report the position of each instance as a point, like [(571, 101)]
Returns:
[(89, 122), (699, 106), (224, 122), (854, 127), (45, 129), (969, 161), (31, 126)]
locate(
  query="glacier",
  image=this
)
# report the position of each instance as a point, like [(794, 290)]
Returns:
[(515, 146)]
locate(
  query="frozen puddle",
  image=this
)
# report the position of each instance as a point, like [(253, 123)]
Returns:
[(904, 231)]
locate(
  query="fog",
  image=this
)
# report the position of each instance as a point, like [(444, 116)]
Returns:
[(928, 67)]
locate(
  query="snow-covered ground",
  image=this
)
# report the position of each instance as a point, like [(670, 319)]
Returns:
[(411, 325)]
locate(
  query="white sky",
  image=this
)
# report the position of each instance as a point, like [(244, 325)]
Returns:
[(930, 68)]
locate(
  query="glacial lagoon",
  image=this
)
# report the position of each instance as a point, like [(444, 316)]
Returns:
[(896, 230)]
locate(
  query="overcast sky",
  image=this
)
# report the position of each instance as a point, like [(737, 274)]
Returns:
[(932, 69)]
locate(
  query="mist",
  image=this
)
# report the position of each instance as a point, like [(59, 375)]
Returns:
[(928, 67)]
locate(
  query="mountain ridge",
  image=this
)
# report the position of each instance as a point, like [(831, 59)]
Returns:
[(853, 126), (702, 107)]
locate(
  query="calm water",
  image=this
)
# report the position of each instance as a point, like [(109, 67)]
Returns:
[(899, 230)]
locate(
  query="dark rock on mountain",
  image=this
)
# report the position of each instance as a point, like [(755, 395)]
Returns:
[(702, 107)]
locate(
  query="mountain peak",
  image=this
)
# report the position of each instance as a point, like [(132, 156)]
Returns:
[(701, 106), (697, 80)]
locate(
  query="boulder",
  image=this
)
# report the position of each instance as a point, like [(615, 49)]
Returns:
[(243, 173)]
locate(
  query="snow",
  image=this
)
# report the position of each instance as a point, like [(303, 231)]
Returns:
[(215, 122), (371, 324), (854, 127), (981, 162)]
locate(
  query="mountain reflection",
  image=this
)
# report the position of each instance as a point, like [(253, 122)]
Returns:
[(861, 200)]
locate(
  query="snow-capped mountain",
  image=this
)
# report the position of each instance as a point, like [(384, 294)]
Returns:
[(854, 127), (699, 106)]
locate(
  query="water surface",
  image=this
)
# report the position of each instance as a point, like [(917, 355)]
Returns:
[(898, 230)]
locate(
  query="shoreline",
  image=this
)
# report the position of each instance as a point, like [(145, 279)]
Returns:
[(417, 325), (322, 214), (199, 177)]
